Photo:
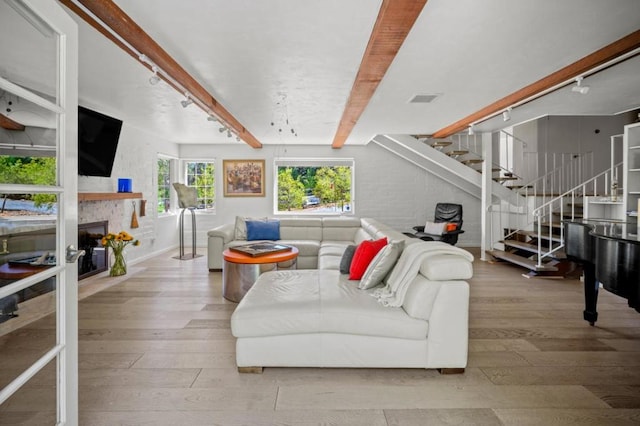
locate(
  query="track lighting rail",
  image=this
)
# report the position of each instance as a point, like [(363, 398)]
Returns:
[(106, 17)]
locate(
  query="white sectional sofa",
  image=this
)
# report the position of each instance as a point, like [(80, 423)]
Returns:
[(317, 317), (320, 240)]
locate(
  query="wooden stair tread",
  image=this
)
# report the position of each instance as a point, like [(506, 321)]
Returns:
[(472, 161), (557, 225), (440, 144), (505, 178), (521, 261), (457, 152), (567, 215), (533, 248), (533, 234)]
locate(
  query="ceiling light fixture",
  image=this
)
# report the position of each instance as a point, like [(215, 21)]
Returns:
[(579, 88), (211, 118), (506, 114), (228, 133), (155, 78), (471, 129), (187, 101)]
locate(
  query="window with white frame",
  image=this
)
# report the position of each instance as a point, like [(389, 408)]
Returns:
[(201, 175), (314, 186), (164, 185)]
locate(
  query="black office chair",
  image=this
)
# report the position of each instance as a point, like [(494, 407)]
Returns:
[(445, 212)]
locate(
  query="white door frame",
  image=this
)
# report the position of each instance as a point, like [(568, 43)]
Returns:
[(50, 14)]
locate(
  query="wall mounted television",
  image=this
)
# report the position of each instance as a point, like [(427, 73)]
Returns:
[(98, 136)]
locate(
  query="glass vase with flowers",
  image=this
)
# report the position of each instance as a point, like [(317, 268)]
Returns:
[(117, 243)]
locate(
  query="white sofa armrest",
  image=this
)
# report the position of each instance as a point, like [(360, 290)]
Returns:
[(218, 237), (448, 339)]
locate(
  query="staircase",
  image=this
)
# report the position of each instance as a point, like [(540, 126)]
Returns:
[(523, 248), (466, 150), (527, 227), (526, 217), (437, 162), (539, 248)]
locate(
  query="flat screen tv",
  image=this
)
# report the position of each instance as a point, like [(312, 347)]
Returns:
[(98, 136)]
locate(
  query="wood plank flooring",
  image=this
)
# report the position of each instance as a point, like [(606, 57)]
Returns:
[(156, 349)]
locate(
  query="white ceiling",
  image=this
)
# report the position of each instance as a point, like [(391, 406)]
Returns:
[(269, 61)]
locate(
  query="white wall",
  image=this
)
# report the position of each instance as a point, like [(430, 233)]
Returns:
[(560, 134), (135, 158), (387, 188)]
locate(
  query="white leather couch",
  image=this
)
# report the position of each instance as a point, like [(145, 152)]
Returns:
[(320, 240), (319, 318)]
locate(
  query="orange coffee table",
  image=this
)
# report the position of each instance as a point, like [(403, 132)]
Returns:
[(240, 271)]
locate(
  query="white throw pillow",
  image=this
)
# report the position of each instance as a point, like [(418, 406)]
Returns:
[(435, 228), (381, 265)]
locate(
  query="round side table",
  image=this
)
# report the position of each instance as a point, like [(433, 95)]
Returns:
[(240, 271)]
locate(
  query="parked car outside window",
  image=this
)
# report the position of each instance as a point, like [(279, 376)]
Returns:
[(310, 201)]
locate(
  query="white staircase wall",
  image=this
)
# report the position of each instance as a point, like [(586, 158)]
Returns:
[(441, 165)]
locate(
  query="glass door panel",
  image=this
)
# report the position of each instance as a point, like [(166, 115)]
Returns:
[(38, 212), (27, 328), (29, 50), (35, 402)]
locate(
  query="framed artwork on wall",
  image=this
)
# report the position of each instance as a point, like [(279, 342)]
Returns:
[(243, 178)]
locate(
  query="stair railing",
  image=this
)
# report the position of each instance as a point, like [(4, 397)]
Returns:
[(538, 192), (470, 143), (580, 166), (556, 205)]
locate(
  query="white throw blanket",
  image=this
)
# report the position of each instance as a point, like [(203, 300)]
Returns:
[(407, 268)]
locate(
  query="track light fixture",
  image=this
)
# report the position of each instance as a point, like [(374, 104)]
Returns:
[(579, 88), (506, 114), (228, 133), (471, 129), (222, 129), (187, 101), (154, 79), (211, 118)]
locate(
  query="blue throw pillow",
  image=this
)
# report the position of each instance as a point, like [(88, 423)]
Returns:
[(258, 230)]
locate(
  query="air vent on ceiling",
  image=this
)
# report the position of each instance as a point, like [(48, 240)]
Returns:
[(423, 99)]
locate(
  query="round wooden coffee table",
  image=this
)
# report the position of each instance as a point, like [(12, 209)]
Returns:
[(240, 271)]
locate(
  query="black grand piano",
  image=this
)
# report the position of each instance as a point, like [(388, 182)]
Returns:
[(610, 254)]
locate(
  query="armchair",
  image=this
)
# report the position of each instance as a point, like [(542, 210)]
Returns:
[(448, 213)]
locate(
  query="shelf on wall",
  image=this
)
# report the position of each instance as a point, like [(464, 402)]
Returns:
[(102, 196)]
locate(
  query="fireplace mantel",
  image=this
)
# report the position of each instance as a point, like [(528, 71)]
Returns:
[(102, 196)]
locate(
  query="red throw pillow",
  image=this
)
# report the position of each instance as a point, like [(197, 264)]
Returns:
[(364, 254)]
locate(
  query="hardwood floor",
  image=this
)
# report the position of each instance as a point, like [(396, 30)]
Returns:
[(156, 349)]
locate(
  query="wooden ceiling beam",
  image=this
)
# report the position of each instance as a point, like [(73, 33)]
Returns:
[(395, 20), (599, 57), (118, 21), (9, 124)]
